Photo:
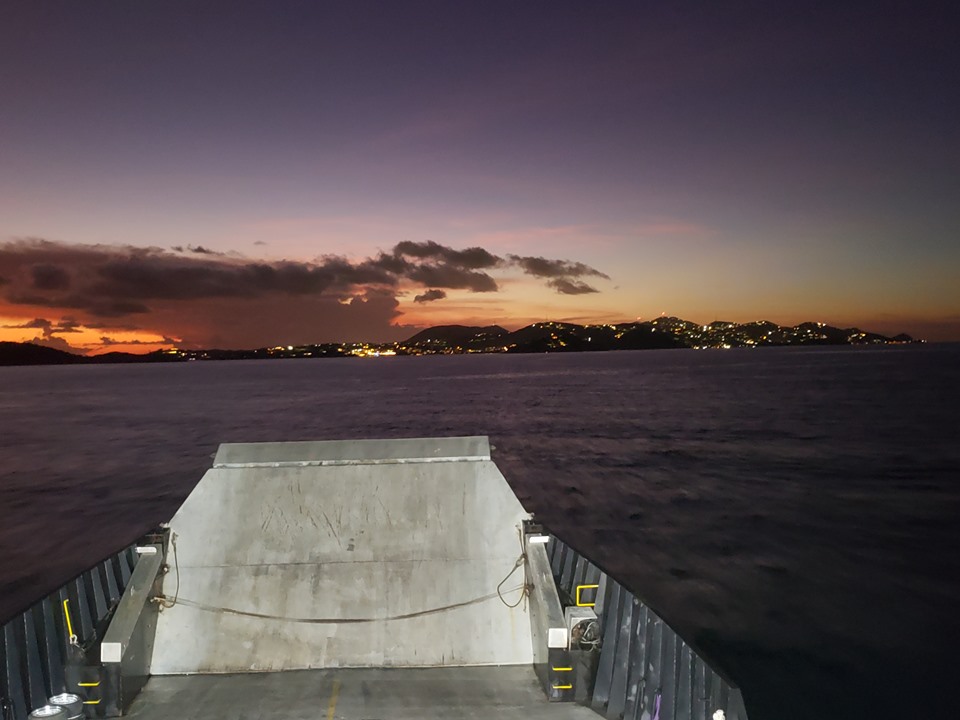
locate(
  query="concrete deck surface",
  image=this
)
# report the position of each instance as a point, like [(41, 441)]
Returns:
[(505, 693)]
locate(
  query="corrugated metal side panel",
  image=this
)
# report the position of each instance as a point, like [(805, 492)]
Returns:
[(645, 669), (34, 644)]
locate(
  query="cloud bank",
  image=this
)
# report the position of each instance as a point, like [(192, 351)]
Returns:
[(239, 302)]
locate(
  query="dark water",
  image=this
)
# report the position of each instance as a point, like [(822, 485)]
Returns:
[(789, 511)]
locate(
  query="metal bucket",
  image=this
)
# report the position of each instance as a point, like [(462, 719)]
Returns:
[(69, 702), (48, 712)]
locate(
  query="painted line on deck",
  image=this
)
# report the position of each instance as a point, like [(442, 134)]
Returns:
[(334, 694)]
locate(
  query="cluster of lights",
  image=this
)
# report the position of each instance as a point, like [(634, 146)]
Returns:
[(716, 335)]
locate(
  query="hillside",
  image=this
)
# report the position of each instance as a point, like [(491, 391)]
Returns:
[(12, 353), (456, 334)]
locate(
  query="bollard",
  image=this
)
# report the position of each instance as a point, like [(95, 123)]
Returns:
[(71, 703), (48, 712)]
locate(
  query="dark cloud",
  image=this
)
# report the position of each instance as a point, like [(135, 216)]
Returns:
[(49, 332), (149, 278), (474, 258), (195, 249), (107, 282), (565, 286), (259, 242), (285, 320), (50, 277), (35, 324), (430, 296), (543, 268), (115, 308), (395, 264), (116, 327), (106, 341), (116, 281), (95, 306), (49, 328), (449, 266), (450, 276), (67, 325)]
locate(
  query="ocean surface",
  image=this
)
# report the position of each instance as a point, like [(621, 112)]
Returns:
[(793, 512)]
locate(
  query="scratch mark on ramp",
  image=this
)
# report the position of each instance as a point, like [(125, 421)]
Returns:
[(332, 530), (387, 512)]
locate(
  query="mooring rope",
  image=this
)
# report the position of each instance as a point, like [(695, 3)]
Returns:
[(521, 562), (162, 599)]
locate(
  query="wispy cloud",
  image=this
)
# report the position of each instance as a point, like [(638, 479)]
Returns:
[(108, 341), (49, 327), (196, 250), (543, 268), (571, 287)]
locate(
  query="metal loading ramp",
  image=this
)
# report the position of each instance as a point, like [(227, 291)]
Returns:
[(381, 553)]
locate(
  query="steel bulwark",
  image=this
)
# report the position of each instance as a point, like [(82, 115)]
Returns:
[(36, 649), (645, 670)]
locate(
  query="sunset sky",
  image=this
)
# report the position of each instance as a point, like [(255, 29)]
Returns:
[(235, 174)]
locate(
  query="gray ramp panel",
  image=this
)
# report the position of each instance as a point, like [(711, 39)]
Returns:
[(265, 553), (352, 451)]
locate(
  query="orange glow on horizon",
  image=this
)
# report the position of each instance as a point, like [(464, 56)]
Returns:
[(81, 340)]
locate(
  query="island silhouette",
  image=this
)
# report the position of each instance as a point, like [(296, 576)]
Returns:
[(660, 333)]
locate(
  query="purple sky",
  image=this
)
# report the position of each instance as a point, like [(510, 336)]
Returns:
[(713, 162)]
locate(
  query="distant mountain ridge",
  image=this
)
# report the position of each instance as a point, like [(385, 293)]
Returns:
[(12, 353), (456, 334), (661, 333)]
